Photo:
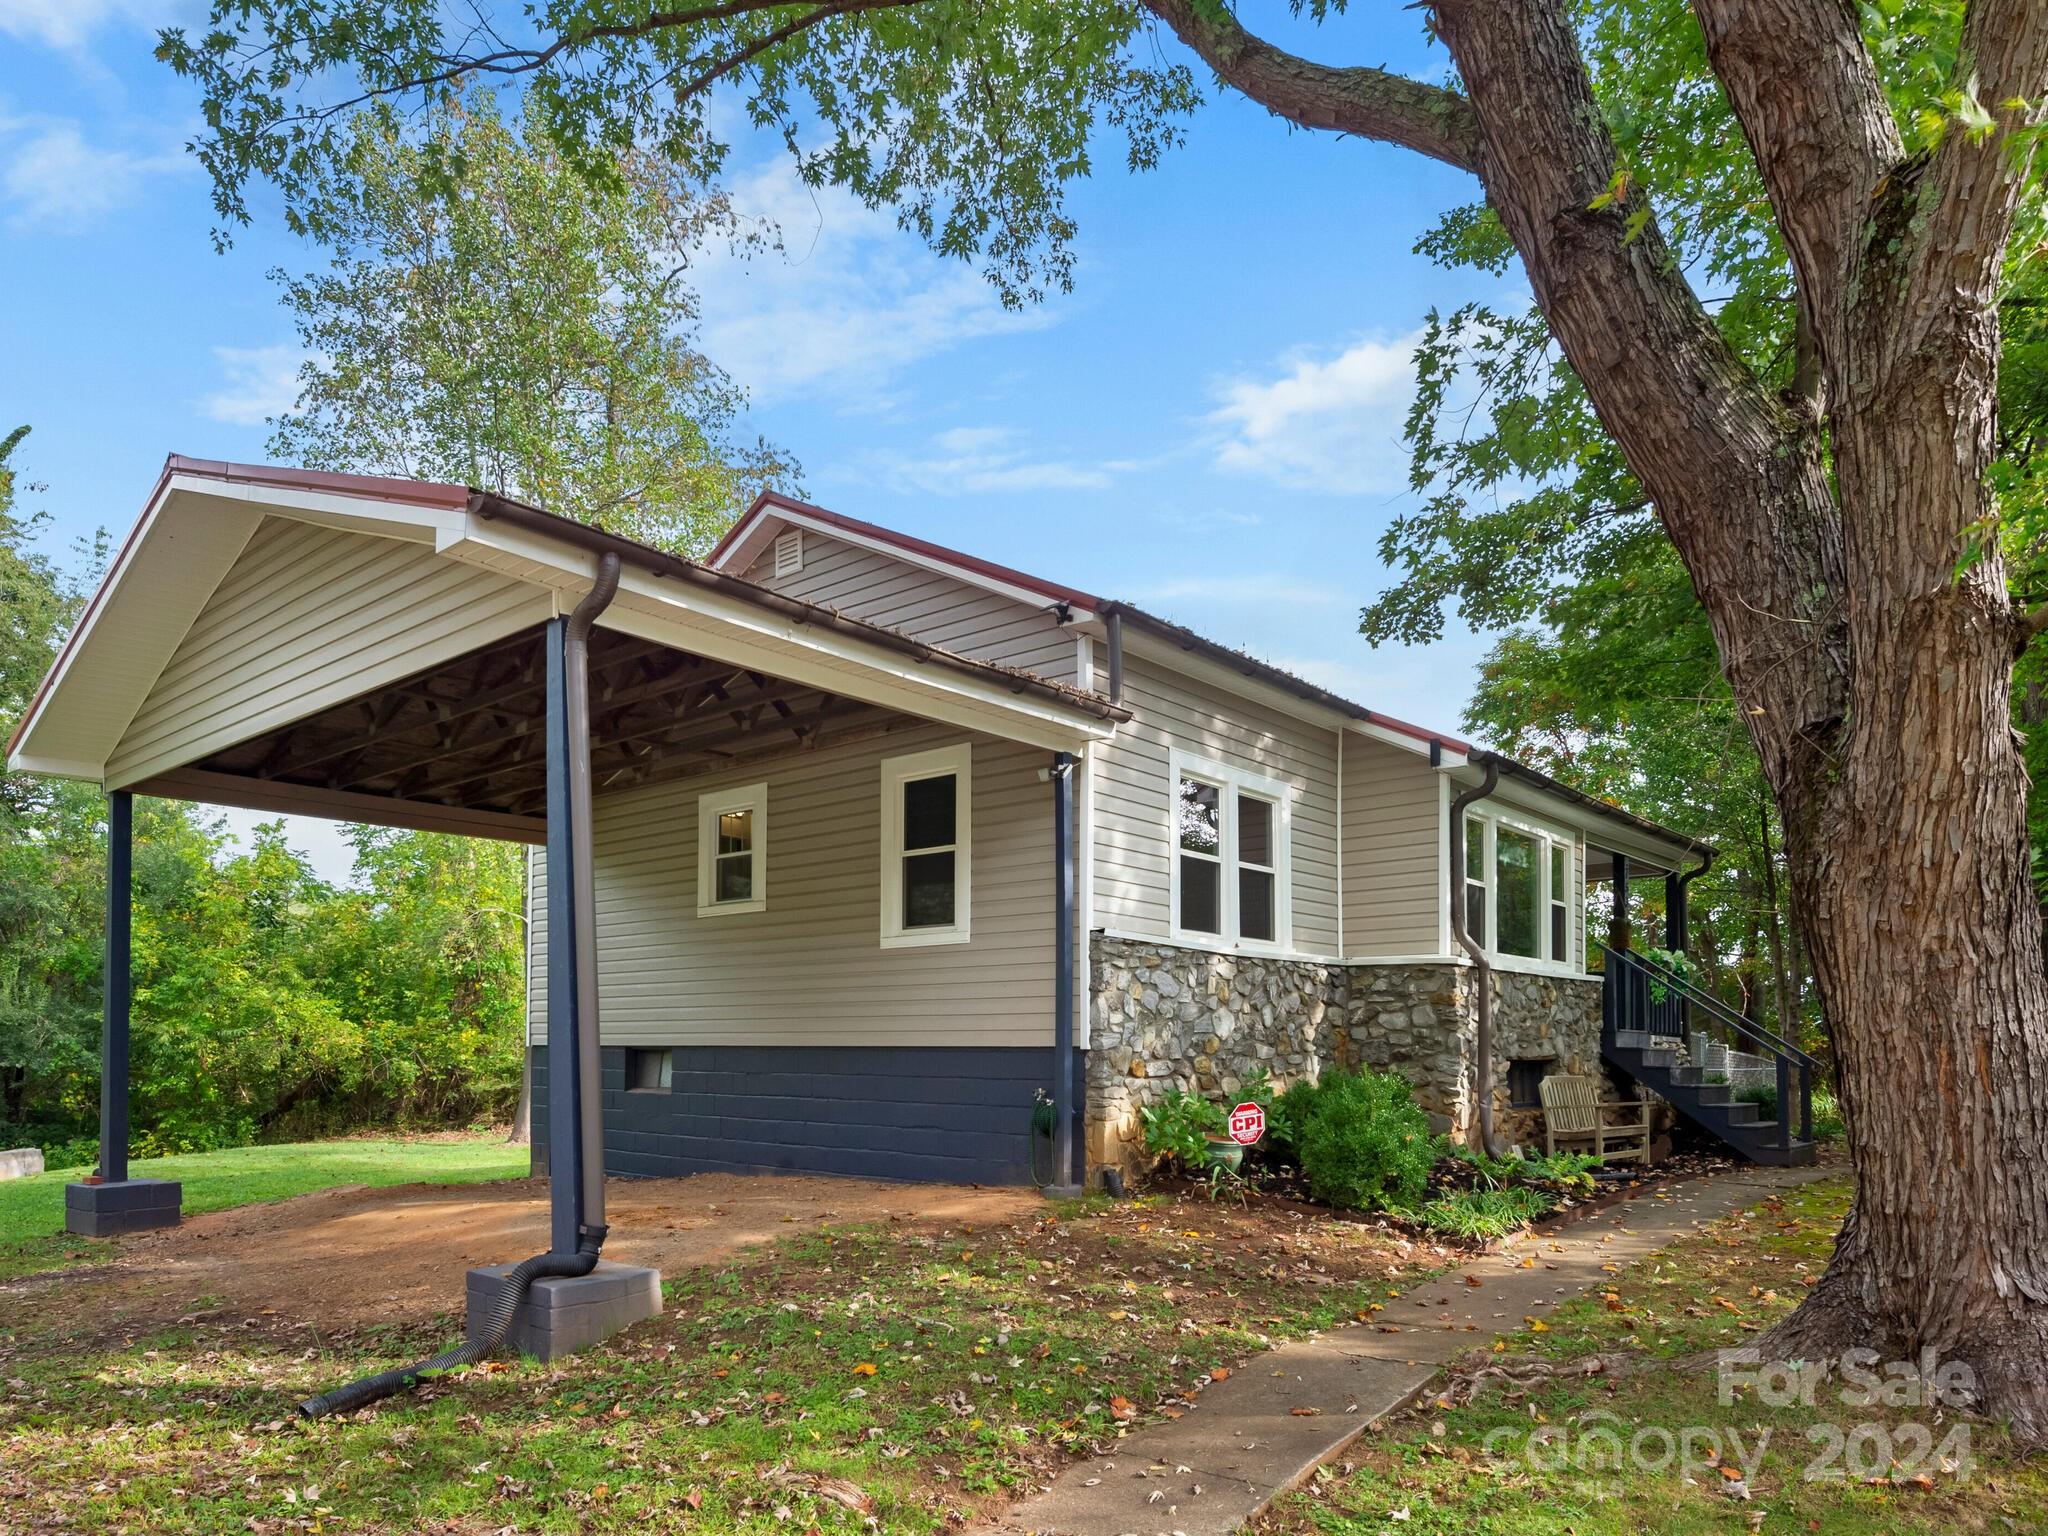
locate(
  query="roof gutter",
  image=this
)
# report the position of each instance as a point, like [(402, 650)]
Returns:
[(657, 563), (1481, 758)]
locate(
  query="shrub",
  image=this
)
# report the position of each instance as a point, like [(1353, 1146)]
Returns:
[(1827, 1110), (1179, 1126), (1484, 1214), (1763, 1095), (1827, 1116), (1362, 1140)]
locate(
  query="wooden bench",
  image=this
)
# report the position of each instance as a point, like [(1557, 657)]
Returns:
[(1572, 1112)]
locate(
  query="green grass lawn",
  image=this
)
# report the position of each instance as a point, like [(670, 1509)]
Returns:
[(32, 1233), (1549, 1448), (893, 1377)]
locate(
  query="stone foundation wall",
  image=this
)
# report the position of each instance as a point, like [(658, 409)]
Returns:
[(1170, 1018), (1166, 1017)]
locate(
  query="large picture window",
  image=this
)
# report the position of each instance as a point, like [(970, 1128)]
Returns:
[(732, 850), (926, 846), (1517, 889), (1230, 855)]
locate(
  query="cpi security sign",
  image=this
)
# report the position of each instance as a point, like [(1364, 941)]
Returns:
[(1247, 1124)]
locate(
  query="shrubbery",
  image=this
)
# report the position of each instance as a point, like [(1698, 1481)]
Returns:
[(1179, 1127), (1362, 1140)]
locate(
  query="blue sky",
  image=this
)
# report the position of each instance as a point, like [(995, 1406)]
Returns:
[(1209, 425)]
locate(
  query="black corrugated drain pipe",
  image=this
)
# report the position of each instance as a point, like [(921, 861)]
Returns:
[(1483, 1045), (497, 1322)]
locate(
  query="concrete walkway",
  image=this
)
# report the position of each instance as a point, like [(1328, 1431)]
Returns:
[(1281, 1415)]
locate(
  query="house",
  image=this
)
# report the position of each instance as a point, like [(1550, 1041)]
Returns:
[(885, 840)]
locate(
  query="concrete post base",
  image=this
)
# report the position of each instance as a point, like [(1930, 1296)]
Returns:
[(562, 1316), (126, 1205)]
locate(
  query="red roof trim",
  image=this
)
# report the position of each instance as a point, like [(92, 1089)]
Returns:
[(770, 500), (415, 493)]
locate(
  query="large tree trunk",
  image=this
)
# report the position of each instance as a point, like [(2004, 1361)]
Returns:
[(1822, 529), (1876, 682)]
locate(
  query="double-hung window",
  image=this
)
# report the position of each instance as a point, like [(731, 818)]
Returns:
[(927, 846), (732, 850), (1517, 889), (1230, 856), (1475, 881)]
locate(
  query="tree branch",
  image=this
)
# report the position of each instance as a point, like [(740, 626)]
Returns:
[(1972, 186), (1738, 478), (2027, 627), (1807, 95), (1371, 103)]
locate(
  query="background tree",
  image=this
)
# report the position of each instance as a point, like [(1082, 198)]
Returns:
[(496, 318), (1836, 511), (268, 1004)]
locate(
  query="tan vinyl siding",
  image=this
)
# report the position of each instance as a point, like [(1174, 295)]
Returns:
[(811, 970), (306, 618), (1392, 856), (1133, 799), (936, 608)]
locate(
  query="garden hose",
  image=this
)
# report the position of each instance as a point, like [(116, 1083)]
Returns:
[(497, 1322), (1044, 1121)]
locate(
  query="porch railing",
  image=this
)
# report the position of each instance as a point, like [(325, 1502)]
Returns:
[(1643, 995)]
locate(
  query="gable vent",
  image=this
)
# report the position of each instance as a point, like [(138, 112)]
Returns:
[(789, 552)]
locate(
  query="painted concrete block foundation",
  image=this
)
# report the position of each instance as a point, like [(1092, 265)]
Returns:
[(563, 1315), (127, 1205), (943, 1114)]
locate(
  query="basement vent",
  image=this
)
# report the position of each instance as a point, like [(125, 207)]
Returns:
[(648, 1071), (789, 552)]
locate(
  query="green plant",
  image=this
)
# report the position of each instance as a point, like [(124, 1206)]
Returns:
[(1488, 1172), (1677, 963), (1362, 1139), (1485, 1214), (1763, 1095), (1179, 1126), (1562, 1170), (1828, 1124)]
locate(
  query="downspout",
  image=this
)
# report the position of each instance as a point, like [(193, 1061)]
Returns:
[(589, 1056), (1483, 1046), (488, 1332), (1113, 623), (1066, 1095), (1685, 902)]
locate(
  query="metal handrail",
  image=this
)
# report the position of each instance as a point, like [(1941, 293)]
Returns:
[(1786, 1057), (1713, 1005)]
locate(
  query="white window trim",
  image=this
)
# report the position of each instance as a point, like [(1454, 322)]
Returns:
[(1231, 781), (1490, 819), (712, 804), (957, 760)]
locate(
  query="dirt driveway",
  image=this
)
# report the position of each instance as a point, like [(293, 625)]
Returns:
[(346, 1258)]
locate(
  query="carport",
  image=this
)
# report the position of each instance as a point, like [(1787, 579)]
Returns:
[(428, 656)]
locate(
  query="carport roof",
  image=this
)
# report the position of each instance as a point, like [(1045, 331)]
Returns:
[(166, 567)]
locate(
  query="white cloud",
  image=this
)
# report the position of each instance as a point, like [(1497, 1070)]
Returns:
[(53, 178), (259, 383), (70, 23), (848, 303), (977, 460), (1323, 423)]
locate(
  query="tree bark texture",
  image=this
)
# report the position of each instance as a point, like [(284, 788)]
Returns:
[(1823, 529)]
